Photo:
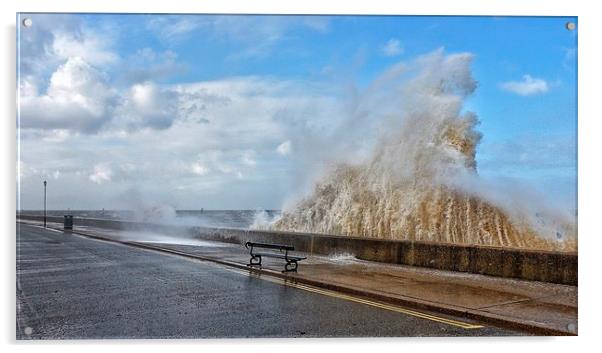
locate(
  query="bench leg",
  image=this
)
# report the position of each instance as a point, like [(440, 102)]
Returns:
[(255, 261), (291, 266)]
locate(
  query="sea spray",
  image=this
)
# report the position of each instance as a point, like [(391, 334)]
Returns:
[(263, 220), (419, 180), (148, 209)]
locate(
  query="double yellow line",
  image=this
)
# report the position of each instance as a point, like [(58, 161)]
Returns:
[(380, 305)]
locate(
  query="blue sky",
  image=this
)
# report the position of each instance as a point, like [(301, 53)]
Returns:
[(115, 105)]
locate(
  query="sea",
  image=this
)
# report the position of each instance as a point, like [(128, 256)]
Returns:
[(242, 219)]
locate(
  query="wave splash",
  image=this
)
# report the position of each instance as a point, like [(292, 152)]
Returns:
[(419, 181)]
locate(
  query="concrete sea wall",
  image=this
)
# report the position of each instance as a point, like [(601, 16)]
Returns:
[(535, 265)]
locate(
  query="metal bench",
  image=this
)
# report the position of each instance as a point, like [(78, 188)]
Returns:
[(291, 261)]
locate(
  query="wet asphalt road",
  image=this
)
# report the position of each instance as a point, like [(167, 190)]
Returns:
[(71, 287)]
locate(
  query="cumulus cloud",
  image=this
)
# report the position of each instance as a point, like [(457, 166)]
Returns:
[(63, 91), (284, 148), (102, 174), (527, 87), (148, 105), (78, 98), (81, 98), (392, 48), (89, 45), (199, 169), (222, 130), (54, 38)]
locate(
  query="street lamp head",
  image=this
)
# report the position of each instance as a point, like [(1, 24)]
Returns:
[(44, 182)]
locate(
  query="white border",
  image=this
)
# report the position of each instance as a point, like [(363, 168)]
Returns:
[(589, 170)]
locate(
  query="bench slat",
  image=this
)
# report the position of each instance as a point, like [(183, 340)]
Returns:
[(279, 256), (269, 246)]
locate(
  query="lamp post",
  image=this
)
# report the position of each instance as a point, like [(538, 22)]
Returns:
[(44, 203)]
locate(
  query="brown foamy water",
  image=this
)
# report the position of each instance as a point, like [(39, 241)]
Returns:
[(420, 181)]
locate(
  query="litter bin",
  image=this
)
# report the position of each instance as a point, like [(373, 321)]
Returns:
[(68, 224)]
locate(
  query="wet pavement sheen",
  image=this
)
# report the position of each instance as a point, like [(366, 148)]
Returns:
[(70, 287)]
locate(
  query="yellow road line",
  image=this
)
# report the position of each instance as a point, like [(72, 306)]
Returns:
[(380, 305)]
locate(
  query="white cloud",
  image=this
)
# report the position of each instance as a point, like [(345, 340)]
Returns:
[(91, 46), (56, 135), (148, 105), (55, 38), (199, 169), (248, 158), (284, 148), (102, 173), (527, 87), (78, 98), (392, 48), (246, 117), (24, 170)]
